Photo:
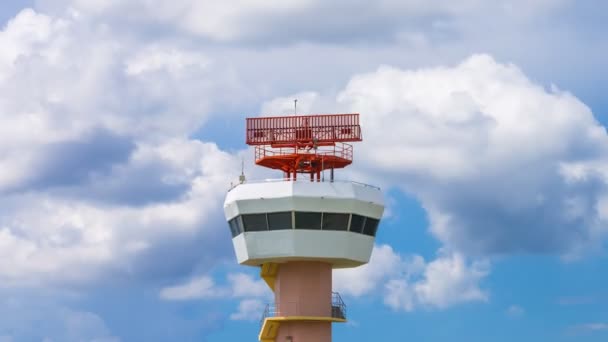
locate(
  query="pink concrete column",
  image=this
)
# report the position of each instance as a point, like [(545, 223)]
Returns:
[(304, 332), (303, 288)]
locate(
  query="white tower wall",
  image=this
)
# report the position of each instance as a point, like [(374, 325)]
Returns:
[(344, 215)]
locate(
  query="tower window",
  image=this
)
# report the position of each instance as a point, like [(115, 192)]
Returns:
[(335, 221), (371, 226), (305, 220), (277, 221), (255, 222), (356, 223), (235, 226)]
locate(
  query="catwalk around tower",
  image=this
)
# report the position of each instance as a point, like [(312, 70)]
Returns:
[(299, 228)]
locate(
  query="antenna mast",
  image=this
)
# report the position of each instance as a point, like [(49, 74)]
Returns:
[(242, 178)]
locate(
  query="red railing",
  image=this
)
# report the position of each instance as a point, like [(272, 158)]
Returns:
[(339, 150), (323, 129)]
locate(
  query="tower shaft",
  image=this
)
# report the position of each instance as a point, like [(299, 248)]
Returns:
[(303, 289)]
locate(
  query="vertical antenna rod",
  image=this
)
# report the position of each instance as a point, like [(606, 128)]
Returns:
[(242, 178)]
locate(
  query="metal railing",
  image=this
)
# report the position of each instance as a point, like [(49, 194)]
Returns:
[(338, 309), (303, 180), (339, 150), (303, 128)]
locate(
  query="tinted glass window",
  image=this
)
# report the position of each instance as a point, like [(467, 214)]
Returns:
[(238, 224), (356, 223), (255, 222), (278, 221), (235, 227), (371, 225), (308, 220), (335, 221)]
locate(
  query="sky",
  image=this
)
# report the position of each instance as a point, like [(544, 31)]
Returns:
[(122, 128)]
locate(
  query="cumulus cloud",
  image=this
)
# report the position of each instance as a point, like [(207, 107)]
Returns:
[(98, 164), (100, 174), (276, 21), (244, 285), (101, 177), (253, 294), (405, 282), (240, 285), (249, 310), (446, 281), (69, 99), (502, 165), (63, 238), (409, 282), (80, 80), (384, 262), (197, 288)]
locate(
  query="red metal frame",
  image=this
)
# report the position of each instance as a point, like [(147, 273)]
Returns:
[(284, 131), (304, 143)]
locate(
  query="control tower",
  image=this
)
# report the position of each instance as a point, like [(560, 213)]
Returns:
[(298, 228)]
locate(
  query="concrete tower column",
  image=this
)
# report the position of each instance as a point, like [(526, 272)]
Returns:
[(303, 288)]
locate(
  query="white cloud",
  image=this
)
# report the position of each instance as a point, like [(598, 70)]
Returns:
[(490, 154), (99, 173), (240, 285), (59, 239), (78, 84), (197, 288), (384, 262), (253, 294), (23, 33), (154, 59), (244, 285), (218, 21), (405, 282), (285, 105), (63, 78), (249, 310), (299, 20), (446, 281), (409, 283)]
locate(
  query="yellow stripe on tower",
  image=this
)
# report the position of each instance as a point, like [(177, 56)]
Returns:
[(269, 331), (271, 325), (269, 272)]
